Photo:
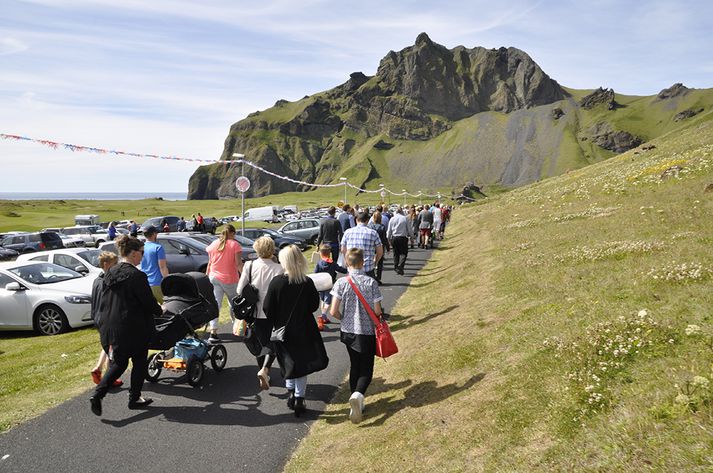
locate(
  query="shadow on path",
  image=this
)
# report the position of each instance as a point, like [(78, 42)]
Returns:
[(401, 322)]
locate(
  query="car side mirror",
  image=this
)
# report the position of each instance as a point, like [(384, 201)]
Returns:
[(184, 251), (81, 269), (15, 287)]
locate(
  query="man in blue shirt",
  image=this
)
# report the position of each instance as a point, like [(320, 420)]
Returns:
[(134, 229), (153, 263)]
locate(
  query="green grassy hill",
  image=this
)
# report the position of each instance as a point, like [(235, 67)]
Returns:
[(563, 326)]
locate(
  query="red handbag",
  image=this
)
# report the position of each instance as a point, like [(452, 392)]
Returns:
[(385, 343)]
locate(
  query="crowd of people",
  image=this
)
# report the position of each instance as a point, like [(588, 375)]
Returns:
[(127, 296)]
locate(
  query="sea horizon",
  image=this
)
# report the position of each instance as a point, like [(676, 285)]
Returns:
[(92, 195)]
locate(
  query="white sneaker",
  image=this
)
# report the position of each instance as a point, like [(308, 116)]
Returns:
[(356, 406)]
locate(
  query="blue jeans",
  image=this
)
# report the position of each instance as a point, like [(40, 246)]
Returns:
[(298, 384)]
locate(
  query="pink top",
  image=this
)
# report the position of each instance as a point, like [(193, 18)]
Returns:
[(222, 263)]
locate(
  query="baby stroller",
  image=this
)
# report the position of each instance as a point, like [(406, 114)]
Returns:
[(189, 304)]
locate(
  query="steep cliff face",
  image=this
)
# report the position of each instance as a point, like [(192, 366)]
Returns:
[(416, 94), (433, 116)]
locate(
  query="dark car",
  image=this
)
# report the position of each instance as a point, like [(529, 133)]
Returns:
[(28, 242), (157, 222), (210, 223), (245, 243), (281, 239), (7, 254), (184, 253)]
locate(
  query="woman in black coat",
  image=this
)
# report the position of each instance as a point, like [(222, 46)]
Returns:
[(290, 302), (126, 309)]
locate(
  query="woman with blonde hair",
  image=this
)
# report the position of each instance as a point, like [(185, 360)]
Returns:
[(290, 303), (260, 273), (223, 270)]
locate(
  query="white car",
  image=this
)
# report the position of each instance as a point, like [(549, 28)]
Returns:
[(44, 297), (81, 260)]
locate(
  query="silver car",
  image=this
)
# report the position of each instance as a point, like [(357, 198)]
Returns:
[(306, 228)]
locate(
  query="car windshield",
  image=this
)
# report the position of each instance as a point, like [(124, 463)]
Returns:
[(270, 232), (243, 241), (44, 273), (90, 256)]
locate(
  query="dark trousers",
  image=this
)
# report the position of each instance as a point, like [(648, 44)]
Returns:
[(139, 361), (379, 270), (335, 250), (371, 274), (361, 370), (400, 252), (263, 330)]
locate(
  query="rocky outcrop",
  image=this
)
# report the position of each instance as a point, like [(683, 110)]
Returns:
[(676, 90), (686, 114), (599, 96), (613, 140), (557, 113), (415, 95)]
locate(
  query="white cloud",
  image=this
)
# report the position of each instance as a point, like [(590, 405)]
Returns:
[(11, 46)]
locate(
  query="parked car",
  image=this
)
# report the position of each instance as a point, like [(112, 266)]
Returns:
[(67, 241), (44, 297), (156, 222), (307, 228), (210, 223), (245, 243), (281, 239), (82, 260), (29, 242), (184, 252), (8, 254), (91, 234)]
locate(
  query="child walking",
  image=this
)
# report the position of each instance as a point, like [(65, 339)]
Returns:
[(326, 265)]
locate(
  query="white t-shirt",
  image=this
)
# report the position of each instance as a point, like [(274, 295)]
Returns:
[(436, 216), (263, 270)]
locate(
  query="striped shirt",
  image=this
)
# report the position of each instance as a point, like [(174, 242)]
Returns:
[(364, 238)]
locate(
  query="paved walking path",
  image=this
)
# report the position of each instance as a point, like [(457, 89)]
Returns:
[(226, 425)]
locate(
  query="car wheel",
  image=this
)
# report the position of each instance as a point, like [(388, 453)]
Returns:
[(194, 370), (99, 242), (50, 320), (313, 240), (154, 368), (218, 358)]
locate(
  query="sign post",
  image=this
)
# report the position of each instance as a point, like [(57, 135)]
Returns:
[(242, 184)]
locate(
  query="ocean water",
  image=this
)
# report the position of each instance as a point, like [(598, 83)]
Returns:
[(91, 195)]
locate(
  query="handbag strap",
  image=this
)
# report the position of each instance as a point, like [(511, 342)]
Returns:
[(250, 273), (366, 305), (297, 300)]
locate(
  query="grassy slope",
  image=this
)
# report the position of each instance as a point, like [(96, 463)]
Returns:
[(476, 389)]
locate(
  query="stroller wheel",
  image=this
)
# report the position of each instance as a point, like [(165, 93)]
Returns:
[(194, 371), (218, 357), (154, 368)]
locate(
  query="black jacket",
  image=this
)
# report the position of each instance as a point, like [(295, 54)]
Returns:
[(97, 286), (303, 350), (330, 231), (126, 310)]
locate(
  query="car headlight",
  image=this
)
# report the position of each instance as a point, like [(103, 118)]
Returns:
[(78, 299)]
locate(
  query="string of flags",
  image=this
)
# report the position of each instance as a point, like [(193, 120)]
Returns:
[(91, 149)]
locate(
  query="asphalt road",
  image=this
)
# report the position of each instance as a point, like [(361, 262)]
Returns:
[(228, 424)]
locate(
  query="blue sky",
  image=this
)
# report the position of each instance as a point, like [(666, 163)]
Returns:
[(169, 77)]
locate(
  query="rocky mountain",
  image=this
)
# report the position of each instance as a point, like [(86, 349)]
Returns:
[(439, 117)]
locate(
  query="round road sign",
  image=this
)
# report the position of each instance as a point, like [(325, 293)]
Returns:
[(242, 183)]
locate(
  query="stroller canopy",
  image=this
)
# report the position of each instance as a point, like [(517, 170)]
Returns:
[(191, 285)]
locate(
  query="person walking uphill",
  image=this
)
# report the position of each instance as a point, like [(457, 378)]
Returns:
[(290, 302), (398, 233), (357, 331), (126, 310), (330, 232), (223, 270), (366, 239), (260, 273), (153, 262)]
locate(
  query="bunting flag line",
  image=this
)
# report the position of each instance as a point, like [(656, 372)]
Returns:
[(90, 149)]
